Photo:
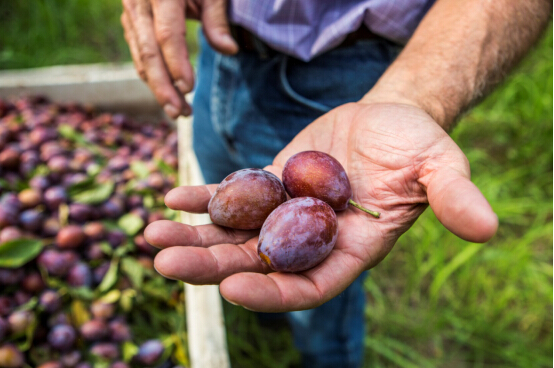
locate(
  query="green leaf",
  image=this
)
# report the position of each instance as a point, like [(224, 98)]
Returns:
[(111, 296), (134, 270), (140, 169), (94, 194), (111, 276), (129, 350), (165, 168), (130, 223), (451, 267), (15, 253)]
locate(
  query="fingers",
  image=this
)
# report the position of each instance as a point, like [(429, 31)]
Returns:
[(193, 199), (282, 292), (165, 234), (170, 29), (460, 206), (209, 265), (216, 27), (138, 23)]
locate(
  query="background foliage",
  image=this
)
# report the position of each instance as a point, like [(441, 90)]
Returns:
[(435, 301)]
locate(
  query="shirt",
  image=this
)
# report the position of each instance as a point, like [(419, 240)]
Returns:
[(307, 28)]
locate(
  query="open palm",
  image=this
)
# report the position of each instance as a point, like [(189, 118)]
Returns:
[(398, 161)]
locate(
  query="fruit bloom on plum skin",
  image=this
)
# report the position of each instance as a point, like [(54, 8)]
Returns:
[(298, 235), (245, 198)]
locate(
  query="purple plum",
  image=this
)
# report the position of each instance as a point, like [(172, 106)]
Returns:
[(245, 198), (298, 235)]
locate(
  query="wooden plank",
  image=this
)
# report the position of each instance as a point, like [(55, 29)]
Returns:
[(105, 86), (205, 325)]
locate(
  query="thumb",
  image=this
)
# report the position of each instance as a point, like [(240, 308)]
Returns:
[(216, 26), (460, 206)]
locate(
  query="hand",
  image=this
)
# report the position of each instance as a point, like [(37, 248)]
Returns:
[(155, 31), (398, 161)]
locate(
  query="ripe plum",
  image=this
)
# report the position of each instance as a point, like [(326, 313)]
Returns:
[(62, 337), (149, 352), (298, 235), (245, 198), (70, 236), (319, 175)]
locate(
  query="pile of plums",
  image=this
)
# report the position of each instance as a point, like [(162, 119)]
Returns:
[(296, 234), (77, 284)]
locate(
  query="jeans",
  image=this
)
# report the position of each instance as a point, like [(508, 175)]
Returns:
[(247, 107)]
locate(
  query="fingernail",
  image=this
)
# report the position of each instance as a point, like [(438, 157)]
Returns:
[(182, 86), (171, 111), (228, 301), (230, 42)]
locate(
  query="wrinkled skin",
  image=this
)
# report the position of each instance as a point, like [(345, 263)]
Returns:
[(298, 235), (245, 198), (316, 174), (398, 160)]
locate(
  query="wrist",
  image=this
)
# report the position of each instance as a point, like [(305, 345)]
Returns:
[(401, 85)]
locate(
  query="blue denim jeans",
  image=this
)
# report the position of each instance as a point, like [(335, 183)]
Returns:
[(247, 107)]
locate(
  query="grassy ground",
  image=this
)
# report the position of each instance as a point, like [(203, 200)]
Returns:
[(436, 301)]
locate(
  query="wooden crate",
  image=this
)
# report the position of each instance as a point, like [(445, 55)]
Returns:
[(116, 87)]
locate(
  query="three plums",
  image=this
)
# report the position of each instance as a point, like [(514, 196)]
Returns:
[(297, 234)]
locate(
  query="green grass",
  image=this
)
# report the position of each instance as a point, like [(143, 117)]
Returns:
[(58, 32), (435, 301)]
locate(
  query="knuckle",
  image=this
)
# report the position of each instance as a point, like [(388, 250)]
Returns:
[(147, 54), (166, 35)]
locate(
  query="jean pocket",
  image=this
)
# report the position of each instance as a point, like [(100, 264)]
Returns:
[(339, 76), (296, 96)]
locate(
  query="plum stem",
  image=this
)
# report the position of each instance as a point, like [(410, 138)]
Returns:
[(372, 213)]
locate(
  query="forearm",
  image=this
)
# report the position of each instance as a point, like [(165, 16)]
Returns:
[(459, 52)]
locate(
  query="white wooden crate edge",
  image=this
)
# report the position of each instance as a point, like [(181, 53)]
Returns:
[(205, 325), (116, 86)]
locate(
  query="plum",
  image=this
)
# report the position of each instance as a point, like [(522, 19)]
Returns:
[(245, 198), (70, 358), (54, 196), (149, 352), (10, 233), (319, 175), (51, 226), (30, 197), (31, 220), (57, 263), (119, 330), (105, 350), (94, 230), (11, 276), (33, 282), (102, 310), (298, 235), (79, 275), (11, 356), (62, 337), (20, 320), (94, 330), (70, 236), (80, 212), (50, 301), (9, 158)]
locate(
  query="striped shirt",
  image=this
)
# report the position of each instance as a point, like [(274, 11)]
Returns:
[(307, 28)]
